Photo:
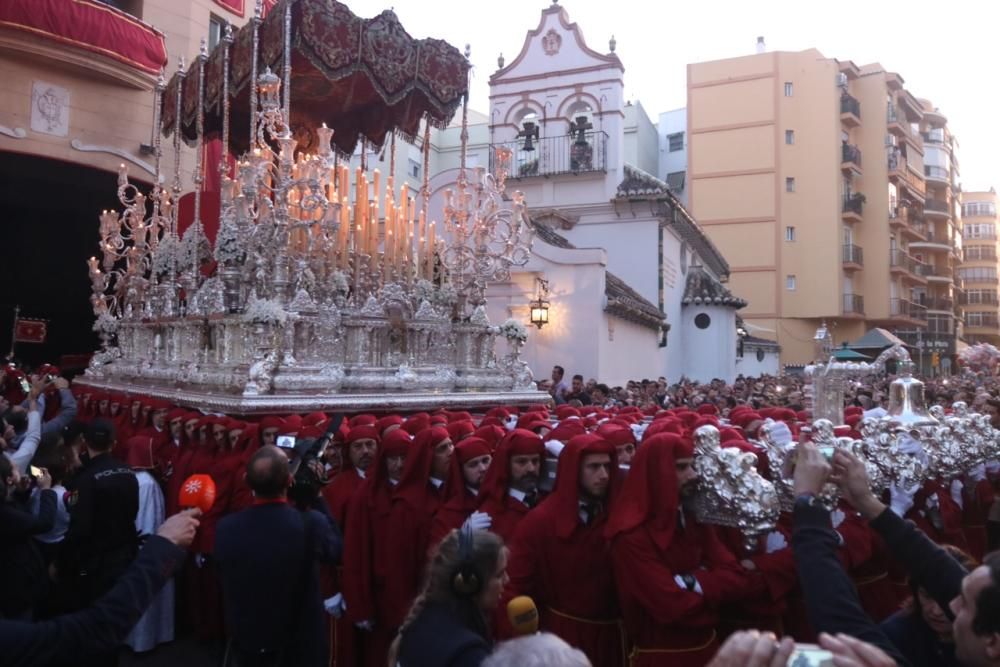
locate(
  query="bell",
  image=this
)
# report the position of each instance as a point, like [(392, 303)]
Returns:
[(530, 132), (907, 408)]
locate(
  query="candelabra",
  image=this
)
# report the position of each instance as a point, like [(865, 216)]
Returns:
[(312, 294)]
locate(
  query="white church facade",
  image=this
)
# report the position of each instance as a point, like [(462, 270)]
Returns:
[(635, 287)]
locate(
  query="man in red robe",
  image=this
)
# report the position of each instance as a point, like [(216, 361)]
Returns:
[(672, 572), (468, 469), (366, 548), (421, 492), (511, 485), (560, 557), (361, 444)]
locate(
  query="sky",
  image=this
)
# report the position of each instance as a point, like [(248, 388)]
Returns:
[(945, 50)]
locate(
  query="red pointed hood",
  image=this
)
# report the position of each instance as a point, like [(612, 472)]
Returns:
[(518, 442), (566, 494), (650, 496), (413, 484)]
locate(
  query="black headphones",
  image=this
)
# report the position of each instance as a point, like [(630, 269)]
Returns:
[(467, 580)]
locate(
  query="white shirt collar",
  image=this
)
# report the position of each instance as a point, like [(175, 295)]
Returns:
[(437, 482), (474, 491), (394, 482), (517, 494), (361, 473)]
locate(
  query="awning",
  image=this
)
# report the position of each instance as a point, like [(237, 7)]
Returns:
[(362, 77), (876, 338), (844, 353)]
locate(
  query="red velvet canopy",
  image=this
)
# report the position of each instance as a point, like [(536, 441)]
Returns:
[(362, 77)]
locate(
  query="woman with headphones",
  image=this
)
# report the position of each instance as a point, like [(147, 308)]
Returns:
[(449, 622)]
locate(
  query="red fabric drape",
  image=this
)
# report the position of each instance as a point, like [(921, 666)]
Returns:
[(91, 26)]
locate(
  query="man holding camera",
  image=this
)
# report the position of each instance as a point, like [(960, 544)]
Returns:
[(267, 556)]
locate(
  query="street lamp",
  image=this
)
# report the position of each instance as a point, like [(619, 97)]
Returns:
[(540, 305)]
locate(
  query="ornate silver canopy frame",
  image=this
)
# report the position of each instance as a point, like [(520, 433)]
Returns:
[(311, 298)]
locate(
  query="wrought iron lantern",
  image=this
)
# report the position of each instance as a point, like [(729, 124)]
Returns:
[(540, 305)]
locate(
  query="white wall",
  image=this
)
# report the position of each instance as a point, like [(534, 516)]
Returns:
[(709, 353), (628, 352), (669, 123), (641, 147), (750, 367)]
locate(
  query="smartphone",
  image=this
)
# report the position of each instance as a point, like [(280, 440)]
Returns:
[(25, 387), (810, 655), (286, 441), (35, 472)]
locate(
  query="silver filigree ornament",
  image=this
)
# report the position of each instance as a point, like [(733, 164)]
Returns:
[(730, 490), (303, 310)]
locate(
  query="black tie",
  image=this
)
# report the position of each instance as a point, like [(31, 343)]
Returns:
[(530, 499), (592, 510)]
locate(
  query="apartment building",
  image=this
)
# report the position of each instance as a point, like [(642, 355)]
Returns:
[(978, 271), (832, 191)]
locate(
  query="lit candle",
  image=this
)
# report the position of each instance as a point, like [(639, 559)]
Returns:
[(430, 252)]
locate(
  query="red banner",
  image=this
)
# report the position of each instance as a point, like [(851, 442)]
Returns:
[(30, 331)]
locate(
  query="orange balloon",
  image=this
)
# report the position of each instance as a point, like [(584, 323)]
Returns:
[(198, 491)]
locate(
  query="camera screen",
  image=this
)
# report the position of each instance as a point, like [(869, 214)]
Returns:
[(286, 441)]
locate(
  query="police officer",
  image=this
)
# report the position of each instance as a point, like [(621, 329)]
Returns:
[(101, 541)]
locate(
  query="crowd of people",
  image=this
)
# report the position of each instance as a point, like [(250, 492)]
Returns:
[(413, 540)]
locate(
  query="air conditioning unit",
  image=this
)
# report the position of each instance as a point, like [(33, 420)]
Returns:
[(891, 140), (842, 80)]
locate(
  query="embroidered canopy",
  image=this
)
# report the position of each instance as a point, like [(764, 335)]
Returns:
[(362, 77)]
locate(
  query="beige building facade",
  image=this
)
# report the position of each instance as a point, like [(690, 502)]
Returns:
[(809, 175), (979, 267), (76, 101)]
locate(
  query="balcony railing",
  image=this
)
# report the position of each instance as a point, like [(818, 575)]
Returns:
[(975, 254), (939, 303), (854, 255), (899, 259), (854, 304), (936, 205), (934, 136), (850, 104), (936, 271), (580, 152), (990, 320), (980, 235), (978, 279), (932, 171), (898, 168), (850, 153), (854, 203), (906, 308), (975, 299)]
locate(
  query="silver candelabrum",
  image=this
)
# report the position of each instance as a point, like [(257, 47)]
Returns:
[(310, 290)]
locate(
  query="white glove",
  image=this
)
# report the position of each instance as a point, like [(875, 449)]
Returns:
[(335, 606), (901, 498), (199, 560), (978, 473), (775, 542), (367, 626), (781, 435), (478, 521), (836, 518), (956, 492), (554, 447), (511, 423), (680, 583)]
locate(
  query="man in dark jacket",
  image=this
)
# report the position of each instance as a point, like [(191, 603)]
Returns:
[(101, 540), (100, 629), (268, 556), (972, 598)]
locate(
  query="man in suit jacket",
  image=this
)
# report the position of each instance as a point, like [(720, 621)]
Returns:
[(268, 556)]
